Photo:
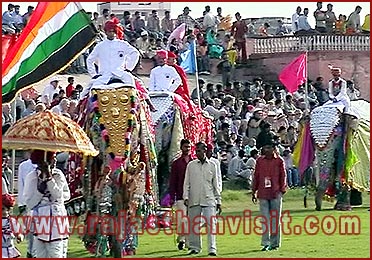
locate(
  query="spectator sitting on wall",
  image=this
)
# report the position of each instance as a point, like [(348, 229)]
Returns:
[(7, 20), (26, 16), (17, 18), (281, 30), (320, 18), (262, 31), (304, 27), (330, 19), (353, 23), (341, 24)]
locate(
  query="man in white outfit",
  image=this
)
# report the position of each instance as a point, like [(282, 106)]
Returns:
[(49, 91), (24, 169), (202, 196), (114, 58), (337, 90), (45, 192), (164, 77)]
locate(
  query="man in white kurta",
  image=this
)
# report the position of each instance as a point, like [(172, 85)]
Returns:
[(114, 58), (49, 91), (164, 77), (202, 196), (47, 206), (337, 90), (24, 169)]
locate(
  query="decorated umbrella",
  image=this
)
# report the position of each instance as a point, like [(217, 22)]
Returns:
[(49, 132)]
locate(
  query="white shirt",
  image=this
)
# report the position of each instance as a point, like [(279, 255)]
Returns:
[(48, 205), (49, 91), (113, 58), (201, 184), (343, 90), (57, 109), (24, 169), (164, 78), (294, 21), (209, 20)]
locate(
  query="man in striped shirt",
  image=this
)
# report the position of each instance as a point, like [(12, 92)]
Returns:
[(187, 19)]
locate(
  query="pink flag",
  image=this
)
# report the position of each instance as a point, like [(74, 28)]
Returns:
[(178, 33), (294, 74)]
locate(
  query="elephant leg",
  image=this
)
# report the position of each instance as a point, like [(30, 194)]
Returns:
[(343, 199), (320, 191), (319, 198)]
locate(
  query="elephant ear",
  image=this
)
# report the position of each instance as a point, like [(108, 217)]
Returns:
[(323, 121)]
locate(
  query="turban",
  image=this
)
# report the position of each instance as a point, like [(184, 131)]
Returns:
[(250, 107), (336, 70), (8, 200), (37, 156), (162, 54), (110, 25), (172, 55)]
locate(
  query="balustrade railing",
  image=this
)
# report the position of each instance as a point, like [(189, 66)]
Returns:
[(311, 43)]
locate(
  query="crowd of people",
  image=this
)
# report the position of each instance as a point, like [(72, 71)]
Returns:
[(326, 22), (12, 21), (256, 124)]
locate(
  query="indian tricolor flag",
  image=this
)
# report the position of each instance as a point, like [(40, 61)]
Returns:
[(56, 34)]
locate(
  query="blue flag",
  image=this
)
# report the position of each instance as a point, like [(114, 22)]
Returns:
[(188, 58)]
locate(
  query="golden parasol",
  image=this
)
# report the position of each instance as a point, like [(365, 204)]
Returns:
[(49, 132)]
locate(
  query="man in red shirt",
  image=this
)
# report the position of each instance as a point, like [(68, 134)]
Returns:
[(176, 180), (70, 86), (238, 31), (269, 182)]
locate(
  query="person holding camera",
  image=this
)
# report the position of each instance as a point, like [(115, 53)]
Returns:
[(45, 193), (269, 185)]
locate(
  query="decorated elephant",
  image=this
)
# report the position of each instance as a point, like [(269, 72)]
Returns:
[(121, 180), (337, 145), (176, 118)]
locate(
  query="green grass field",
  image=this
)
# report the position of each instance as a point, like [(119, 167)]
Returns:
[(243, 245)]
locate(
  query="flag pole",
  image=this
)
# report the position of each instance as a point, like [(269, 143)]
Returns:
[(307, 77), (196, 73), (306, 85)]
